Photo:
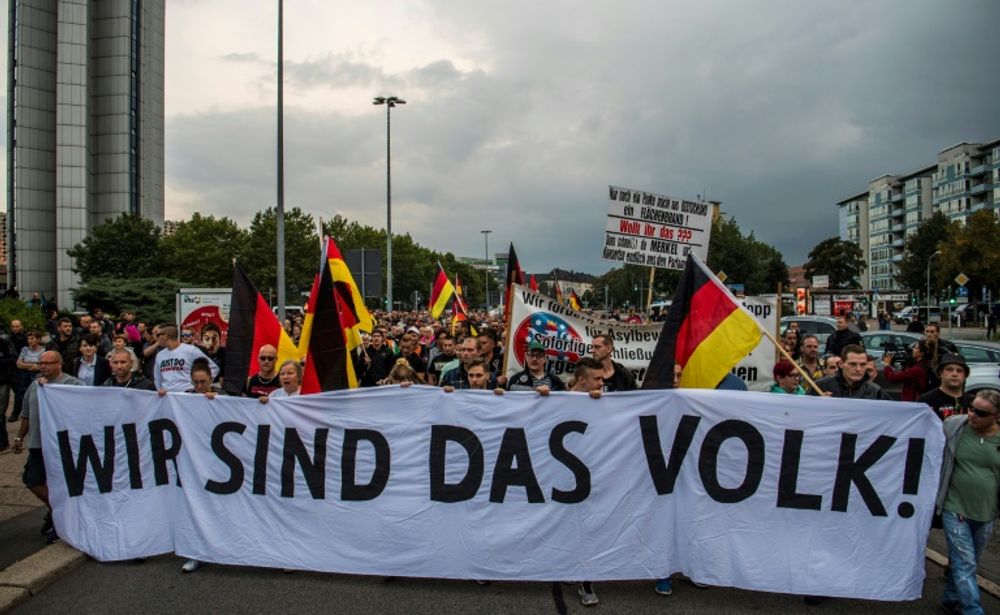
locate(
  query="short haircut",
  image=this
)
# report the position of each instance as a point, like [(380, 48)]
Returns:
[(34, 333), (445, 336), (587, 364), (120, 336), (210, 326), (122, 351), (808, 336), (932, 324), (488, 332), (478, 362), (295, 364), (607, 340), (852, 349), (170, 331), (65, 319), (991, 396), (92, 339)]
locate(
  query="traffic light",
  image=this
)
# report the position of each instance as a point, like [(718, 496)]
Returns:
[(800, 301)]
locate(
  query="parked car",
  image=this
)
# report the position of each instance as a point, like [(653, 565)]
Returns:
[(878, 342), (983, 376), (969, 313), (820, 326), (927, 314)]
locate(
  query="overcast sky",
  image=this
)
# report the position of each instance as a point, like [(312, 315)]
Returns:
[(520, 114)]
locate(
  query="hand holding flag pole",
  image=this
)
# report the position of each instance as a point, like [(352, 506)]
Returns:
[(806, 377)]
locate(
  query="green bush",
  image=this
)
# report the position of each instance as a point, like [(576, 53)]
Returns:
[(31, 317)]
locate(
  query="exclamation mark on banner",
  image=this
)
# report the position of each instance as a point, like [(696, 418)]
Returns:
[(911, 475)]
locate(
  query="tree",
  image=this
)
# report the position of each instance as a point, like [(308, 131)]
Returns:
[(301, 252), (124, 247), (202, 249), (744, 259), (927, 239), (30, 316), (842, 260), (413, 266), (972, 249), (152, 299)]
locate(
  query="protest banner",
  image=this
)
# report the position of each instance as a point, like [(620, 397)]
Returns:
[(755, 368), (781, 493), (567, 335), (655, 230)]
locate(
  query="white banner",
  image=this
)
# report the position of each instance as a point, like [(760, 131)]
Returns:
[(567, 335), (756, 368), (655, 230), (777, 493)]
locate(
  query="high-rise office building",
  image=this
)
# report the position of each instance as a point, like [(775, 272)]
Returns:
[(84, 129), (965, 179)]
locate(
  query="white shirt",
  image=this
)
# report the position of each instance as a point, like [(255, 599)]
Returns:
[(86, 371), (173, 367), (282, 393)]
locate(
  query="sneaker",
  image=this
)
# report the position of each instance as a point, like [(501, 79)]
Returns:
[(588, 597), (191, 565), (664, 587), (46, 524), (51, 536), (699, 585)]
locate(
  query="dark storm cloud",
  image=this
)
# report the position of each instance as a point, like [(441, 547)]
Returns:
[(778, 109)]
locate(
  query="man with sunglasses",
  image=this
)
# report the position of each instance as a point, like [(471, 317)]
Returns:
[(967, 498), (536, 376), (266, 380)]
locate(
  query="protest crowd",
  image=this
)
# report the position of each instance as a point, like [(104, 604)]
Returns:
[(406, 348)]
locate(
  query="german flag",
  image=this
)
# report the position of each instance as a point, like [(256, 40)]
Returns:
[(458, 309), (574, 301), (515, 275), (252, 324), (354, 316), (557, 291), (329, 361), (440, 293), (706, 332)]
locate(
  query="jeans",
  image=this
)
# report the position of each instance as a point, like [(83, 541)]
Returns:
[(966, 541), (4, 402)]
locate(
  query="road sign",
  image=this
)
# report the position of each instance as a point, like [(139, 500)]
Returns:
[(962, 291), (961, 279), (722, 276)]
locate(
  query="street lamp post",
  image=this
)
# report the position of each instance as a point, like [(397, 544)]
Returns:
[(929, 280), (389, 103), (486, 253)]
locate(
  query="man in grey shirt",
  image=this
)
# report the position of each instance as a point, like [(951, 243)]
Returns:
[(29, 432)]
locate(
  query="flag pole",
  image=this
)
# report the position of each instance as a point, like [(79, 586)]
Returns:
[(506, 337), (649, 293), (784, 353)]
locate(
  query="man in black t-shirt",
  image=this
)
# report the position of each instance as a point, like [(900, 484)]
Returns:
[(407, 350), (616, 376), (950, 398), (266, 380), (446, 354)]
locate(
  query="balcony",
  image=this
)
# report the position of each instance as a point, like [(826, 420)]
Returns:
[(979, 188), (897, 258), (978, 170), (897, 197)]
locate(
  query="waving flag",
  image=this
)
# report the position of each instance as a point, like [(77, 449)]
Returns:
[(252, 324), (459, 311), (574, 301), (556, 290), (441, 293), (707, 332), (515, 275), (533, 284)]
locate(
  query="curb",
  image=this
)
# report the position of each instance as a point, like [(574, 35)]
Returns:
[(984, 584), (25, 578)]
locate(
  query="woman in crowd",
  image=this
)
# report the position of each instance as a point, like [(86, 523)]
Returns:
[(915, 377), (786, 379), (290, 376), (401, 374), (89, 367)]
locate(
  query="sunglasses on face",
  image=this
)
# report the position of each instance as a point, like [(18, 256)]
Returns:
[(981, 413)]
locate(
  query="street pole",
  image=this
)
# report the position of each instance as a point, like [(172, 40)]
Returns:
[(929, 284), (280, 213), (389, 103), (486, 253)]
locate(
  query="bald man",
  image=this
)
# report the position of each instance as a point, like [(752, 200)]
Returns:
[(265, 381), (29, 432)]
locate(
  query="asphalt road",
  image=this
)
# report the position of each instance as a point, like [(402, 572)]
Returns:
[(158, 586)]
